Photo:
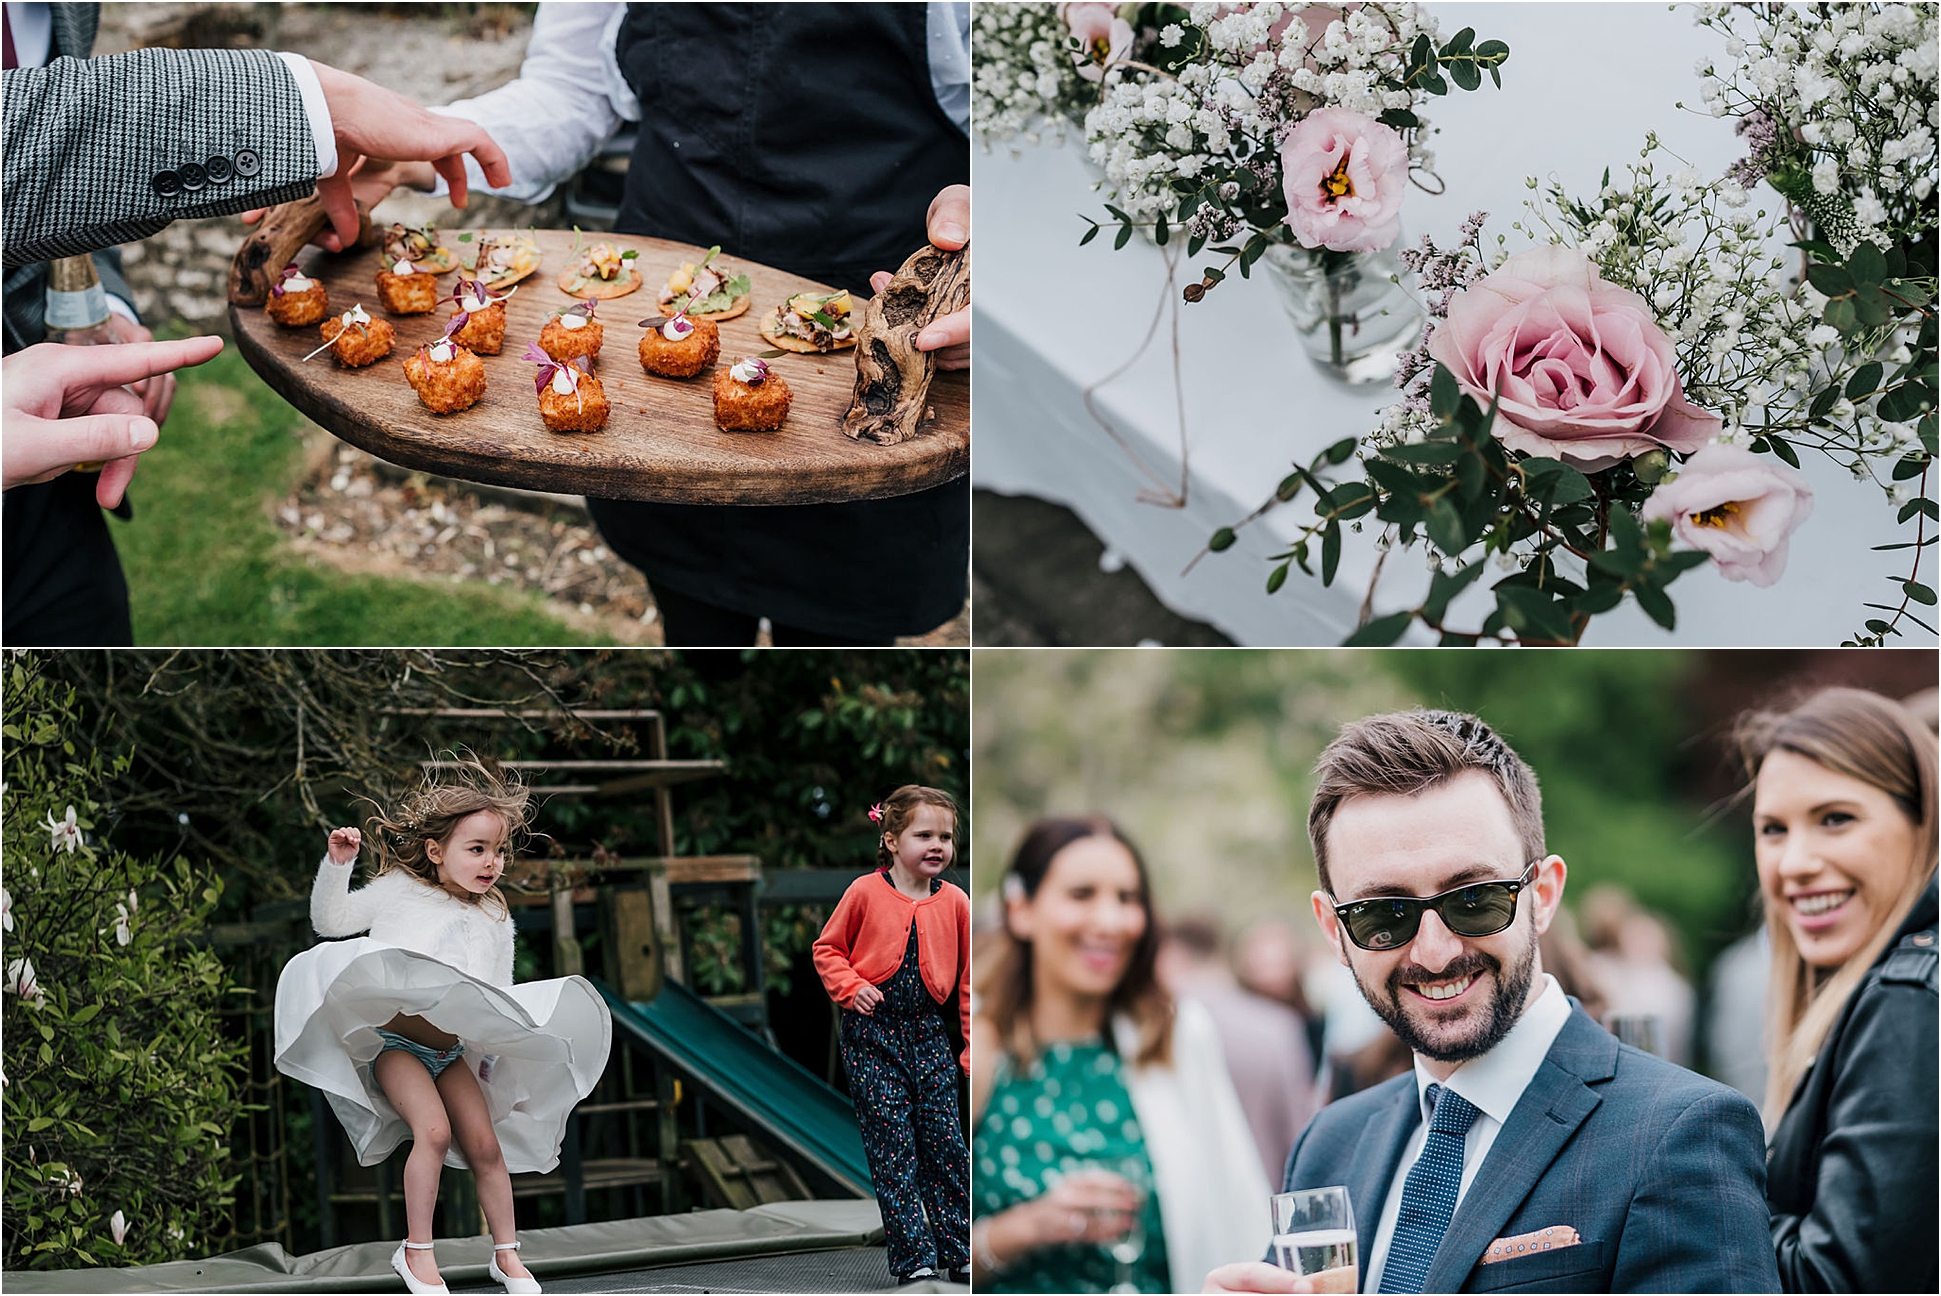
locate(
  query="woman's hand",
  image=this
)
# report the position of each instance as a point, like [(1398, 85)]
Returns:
[(1089, 1208), (866, 1000), (343, 845)]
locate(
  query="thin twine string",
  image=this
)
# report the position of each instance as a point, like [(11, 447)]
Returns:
[(1161, 494)]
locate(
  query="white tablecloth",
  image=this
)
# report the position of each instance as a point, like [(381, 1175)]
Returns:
[(1051, 318)]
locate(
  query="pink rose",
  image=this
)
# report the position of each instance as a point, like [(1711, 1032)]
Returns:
[(1103, 37), (1344, 175), (1586, 374), (1740, 507)]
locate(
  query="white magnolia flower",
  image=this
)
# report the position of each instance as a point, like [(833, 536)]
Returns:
[(6, 910), (122, 934), (118, 1227), (22, 981), (65, 832)]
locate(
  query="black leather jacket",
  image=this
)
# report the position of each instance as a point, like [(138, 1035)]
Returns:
[(1851, 1173)]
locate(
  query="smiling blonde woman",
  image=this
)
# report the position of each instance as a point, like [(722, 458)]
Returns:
[(1844, 829)]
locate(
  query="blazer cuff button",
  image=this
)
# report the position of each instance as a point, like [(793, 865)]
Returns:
[(247, 163), (166, 183), (219, 169), (194, 177)]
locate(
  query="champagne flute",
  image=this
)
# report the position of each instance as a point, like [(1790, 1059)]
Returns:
[(1641, 1031), (1128, 1247), (1314, 1235)]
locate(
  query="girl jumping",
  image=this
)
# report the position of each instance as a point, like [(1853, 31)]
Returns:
[(416, 1030), (894, 951)]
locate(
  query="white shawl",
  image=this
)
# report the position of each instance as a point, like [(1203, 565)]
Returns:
[(1213, 1197)]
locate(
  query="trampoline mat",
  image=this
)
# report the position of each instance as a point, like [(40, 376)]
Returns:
[(854, 1269)]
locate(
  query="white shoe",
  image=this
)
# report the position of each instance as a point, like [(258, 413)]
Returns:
[(414, 1284), (515, 1286)]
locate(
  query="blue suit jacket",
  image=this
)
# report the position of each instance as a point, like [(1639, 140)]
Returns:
[(1661, 1172)]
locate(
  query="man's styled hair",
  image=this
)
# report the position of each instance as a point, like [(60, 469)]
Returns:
[(1407, 752)]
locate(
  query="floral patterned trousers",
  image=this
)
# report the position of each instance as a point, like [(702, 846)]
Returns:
[(903, 1078)]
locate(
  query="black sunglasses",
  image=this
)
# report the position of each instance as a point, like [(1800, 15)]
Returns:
[(1390, 922)]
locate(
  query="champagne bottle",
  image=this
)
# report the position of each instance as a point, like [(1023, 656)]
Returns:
[(77, 310), (77, 305)]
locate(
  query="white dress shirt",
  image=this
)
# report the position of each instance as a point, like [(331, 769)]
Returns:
[(570, 96), (1493, 1083)]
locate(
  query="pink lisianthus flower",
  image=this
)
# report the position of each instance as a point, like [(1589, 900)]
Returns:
[(1740, 507), (1103, 37), (1586, 374), (1344, 175)]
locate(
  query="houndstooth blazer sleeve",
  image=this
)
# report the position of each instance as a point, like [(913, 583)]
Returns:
[(86, 139)]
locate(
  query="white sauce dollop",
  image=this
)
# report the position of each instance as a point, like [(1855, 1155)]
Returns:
[(561, 383), (355, 315), (677, 329), (748, 371), (571, 322), (402, 267), (297, 283), (472, 305), (441, 351)]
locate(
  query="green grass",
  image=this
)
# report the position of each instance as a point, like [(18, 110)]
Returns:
[(207, 565)]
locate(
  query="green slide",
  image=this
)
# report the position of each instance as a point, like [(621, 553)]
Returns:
[(774, 1093)]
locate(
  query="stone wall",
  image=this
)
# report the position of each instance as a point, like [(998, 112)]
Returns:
[(434, 53)]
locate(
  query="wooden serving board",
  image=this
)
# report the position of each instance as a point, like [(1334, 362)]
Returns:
[(660, 442)]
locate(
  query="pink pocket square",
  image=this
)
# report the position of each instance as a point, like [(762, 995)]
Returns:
[(1549, 1239)]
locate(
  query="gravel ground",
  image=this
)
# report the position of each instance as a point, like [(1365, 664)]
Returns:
[(359, 514)]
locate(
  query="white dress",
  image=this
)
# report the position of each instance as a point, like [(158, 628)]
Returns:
[(536, 1049)]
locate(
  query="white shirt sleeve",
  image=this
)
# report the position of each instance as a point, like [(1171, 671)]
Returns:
[(317, 111), (948, 28), (568, 100)]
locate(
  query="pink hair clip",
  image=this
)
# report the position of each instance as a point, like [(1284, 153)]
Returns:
[(876, 813)]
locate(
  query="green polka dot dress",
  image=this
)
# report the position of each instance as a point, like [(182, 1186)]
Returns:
[(1068, 1112)]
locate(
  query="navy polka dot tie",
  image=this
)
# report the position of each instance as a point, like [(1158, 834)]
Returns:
[(1429, 1193)]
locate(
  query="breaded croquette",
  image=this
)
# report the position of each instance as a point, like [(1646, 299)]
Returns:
[(573, 332), (446, 376), (750, 397), (356, 339), (571, 399), (483, 331), (408, 293), (295, 300), (680, 347), (581, 408)]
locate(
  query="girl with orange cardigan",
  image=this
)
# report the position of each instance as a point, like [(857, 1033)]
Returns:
[(891, 955)]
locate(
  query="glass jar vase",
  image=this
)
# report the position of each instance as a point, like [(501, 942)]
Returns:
[(1350, 312)]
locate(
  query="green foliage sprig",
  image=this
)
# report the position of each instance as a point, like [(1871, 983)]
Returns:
[(121, 1087)]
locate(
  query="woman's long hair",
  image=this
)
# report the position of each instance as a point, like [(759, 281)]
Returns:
[(432, 810), (1004, 974), (1877, 741)]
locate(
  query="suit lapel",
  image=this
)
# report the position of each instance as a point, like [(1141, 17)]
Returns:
[(1556, 1102), (1377, 1155)]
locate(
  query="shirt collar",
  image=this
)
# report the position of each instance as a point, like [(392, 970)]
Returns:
[(1495, 1081)]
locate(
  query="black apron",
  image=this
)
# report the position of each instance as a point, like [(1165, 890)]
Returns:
[(806, 137)]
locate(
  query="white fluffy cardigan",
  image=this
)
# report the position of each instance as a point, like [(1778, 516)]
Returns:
[(399, 910)]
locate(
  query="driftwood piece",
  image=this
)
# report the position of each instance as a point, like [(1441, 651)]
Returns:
[(892, 376), (275, 242)]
